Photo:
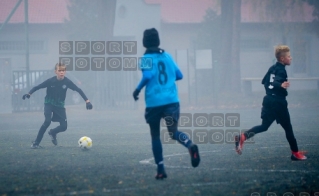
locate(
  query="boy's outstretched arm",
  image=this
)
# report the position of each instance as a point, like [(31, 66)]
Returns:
[(42, 85), (89, 105), (147, 75)]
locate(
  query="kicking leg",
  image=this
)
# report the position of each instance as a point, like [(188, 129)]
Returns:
[(61, 128)]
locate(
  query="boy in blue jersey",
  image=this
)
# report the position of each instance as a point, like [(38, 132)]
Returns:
[(161, 99)]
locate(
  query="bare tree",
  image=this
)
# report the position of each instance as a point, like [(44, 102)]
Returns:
[(315, 4), (90, 21), (208, 36), (230, 44)]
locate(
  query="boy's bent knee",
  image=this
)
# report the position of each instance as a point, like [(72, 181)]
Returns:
[(46, 123), (64, 126)]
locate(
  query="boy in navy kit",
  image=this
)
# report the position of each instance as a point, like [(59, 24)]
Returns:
[(161, 99), (274, 106), (54, 103)]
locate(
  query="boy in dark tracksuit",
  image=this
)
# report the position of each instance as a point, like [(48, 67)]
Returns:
[(274, 106), (161, 99), (54, 103)]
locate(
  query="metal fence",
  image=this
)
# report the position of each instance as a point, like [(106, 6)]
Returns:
[(114, 89), (21, 87), (5, 85)]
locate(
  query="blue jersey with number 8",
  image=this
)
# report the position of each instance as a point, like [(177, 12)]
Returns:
[(159, 75)]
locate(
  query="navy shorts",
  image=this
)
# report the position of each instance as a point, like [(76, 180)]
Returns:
[(169, 112), (275, 108), (54, 113)]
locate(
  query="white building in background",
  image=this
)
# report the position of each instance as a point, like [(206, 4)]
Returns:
[(177, 21), (133, 17)]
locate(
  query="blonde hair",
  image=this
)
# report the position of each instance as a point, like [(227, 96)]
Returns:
[(60, 65), (281, 50)]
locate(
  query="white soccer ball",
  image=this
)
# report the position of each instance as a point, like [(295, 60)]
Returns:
[(85, 142)]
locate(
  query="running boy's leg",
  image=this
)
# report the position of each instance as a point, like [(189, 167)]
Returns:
[(286, 125), (284, 120), (240, 139), (296, 155), (61, 128), (260, 128), (153, 118), (171, 116), (45, 125), (59, 115), (157, 149), (268, 117)]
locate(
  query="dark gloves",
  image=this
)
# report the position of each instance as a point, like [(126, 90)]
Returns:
[(26, 96), (89, 106), (135, 94)]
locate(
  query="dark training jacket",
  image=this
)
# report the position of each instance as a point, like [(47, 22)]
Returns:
[(56, 90), (273, 79)]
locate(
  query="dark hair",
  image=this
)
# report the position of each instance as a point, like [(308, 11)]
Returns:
[(151, 38)]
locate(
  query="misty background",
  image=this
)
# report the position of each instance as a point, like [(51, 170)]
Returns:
[(223, 47)]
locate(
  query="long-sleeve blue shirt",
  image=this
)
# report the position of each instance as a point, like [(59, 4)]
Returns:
[(159, 75)]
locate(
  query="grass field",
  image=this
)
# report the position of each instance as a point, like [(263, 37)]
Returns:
[(121, 161)]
